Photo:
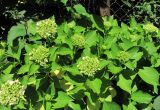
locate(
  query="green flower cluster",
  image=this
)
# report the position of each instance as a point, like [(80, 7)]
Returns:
[(88, 65), (123, 56), (11, 93), (107, 24), (78, 40), (134, 37), (71, 24), (39, 55), (150, 28), (46, 28)]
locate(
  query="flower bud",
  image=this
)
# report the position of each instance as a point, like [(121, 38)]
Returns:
[(78, 40), (11, 92), (88, 66), (123, 56), (39, 55), (150, 28), (46, 28)]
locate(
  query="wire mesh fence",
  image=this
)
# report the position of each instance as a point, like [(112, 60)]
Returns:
[(142, 10)]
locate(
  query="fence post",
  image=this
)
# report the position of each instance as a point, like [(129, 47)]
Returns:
[(105, 8)]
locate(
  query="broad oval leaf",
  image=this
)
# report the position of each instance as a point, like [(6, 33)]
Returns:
[(91, 38), (141, 97), (149, 75), (62, 100), (95, 85), (110, 106), (156, 103), (80, 9), (16, 31), (124, 83)]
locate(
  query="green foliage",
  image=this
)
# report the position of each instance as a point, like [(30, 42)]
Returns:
[(95, 66)]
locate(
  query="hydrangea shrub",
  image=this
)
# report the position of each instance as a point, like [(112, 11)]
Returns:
[(92, 66)]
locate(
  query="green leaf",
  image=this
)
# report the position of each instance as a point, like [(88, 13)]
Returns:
[(31, 27), (67, 78), (15, 51), (93, 107), (62, 100), (74, 106), (16, 31), (109, 41), (131, 107), (51, 89), (126, 44), (52, 53), (127, 3), (114, 69), (55, 66), (48, 105), (133, 22), (97, 22), (34, 69), (89, 98), (86, 52), (64, 1), (73, 70), (91, 38), (137, 56), (79, 29), (149, 75), (115, 31), (124, 83), (115, 51), (65, 51), (6, 77), (156, 103), (24, 69), (151, 48), (110, 106), (8, 69), (76, 90), (95, 85), (80, 9), (103, 63), (141, 97)]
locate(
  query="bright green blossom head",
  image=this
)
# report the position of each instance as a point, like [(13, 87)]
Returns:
[(88, 65), (107, 24), (39, 55), (78, 40), (71, 24), (150, 28), (123, 56), (11, 93), (135, 37), (46, 28)]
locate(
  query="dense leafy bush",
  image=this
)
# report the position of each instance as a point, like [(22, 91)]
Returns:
[(87, 63)]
